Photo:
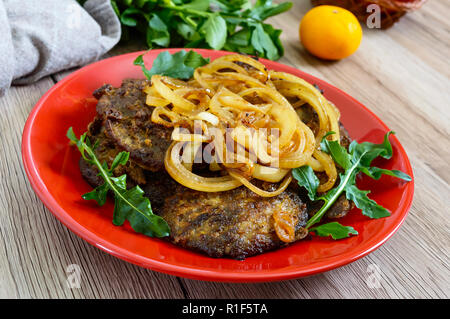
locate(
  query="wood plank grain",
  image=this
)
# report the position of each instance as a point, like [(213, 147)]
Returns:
[(36, 249), (402, 74), (409, 88)]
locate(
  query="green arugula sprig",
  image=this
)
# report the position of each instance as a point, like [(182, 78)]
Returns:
[(129, 204), (180, 65), (233, 25), (335, 230), (358, 159)]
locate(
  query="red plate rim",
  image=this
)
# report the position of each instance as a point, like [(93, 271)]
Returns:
[(195, 272)]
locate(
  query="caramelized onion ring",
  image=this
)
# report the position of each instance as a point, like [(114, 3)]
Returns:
[(182, 175), (251, 119)]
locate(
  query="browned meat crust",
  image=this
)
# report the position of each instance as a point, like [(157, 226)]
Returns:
[(159, 186), (127, 101), (345, 137), (127, 121), (106, 151), (147, 142), (236, 223)]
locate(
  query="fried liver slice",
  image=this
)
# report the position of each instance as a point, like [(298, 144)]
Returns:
[(236, 223), (106, 150), (127, 121)]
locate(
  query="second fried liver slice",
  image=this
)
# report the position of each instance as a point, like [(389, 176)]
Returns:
[(236, 223)]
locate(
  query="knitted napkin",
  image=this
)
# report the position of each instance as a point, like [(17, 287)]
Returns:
[(41, 37)]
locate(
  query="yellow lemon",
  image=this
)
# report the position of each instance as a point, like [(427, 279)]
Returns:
[(330, 32)]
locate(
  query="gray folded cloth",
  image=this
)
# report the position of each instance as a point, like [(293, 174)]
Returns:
[(41, 37)]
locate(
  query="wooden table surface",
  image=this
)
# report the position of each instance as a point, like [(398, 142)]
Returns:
[(402, 74)]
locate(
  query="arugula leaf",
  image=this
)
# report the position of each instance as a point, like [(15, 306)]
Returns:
[(98, 194), (376, 172), (368, 206), (333, 194), (339, 153), (371, 150), (335, 230), (145, 222), (120, 159), (180, 65), (305, 177), (358, 159), (129, 204)]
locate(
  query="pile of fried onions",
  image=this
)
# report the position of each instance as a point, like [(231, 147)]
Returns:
[(247, 117)]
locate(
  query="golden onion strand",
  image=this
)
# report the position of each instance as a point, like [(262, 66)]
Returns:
[(250, 122)]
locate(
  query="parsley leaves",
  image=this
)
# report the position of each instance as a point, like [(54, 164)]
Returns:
[(215, 30), (358, 159), (180, 65), (130, 204), (233, 25)]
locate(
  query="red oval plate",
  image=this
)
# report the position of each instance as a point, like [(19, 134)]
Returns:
[(52, 168)]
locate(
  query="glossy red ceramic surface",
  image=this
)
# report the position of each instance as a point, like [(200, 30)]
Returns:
[(52, 168)]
